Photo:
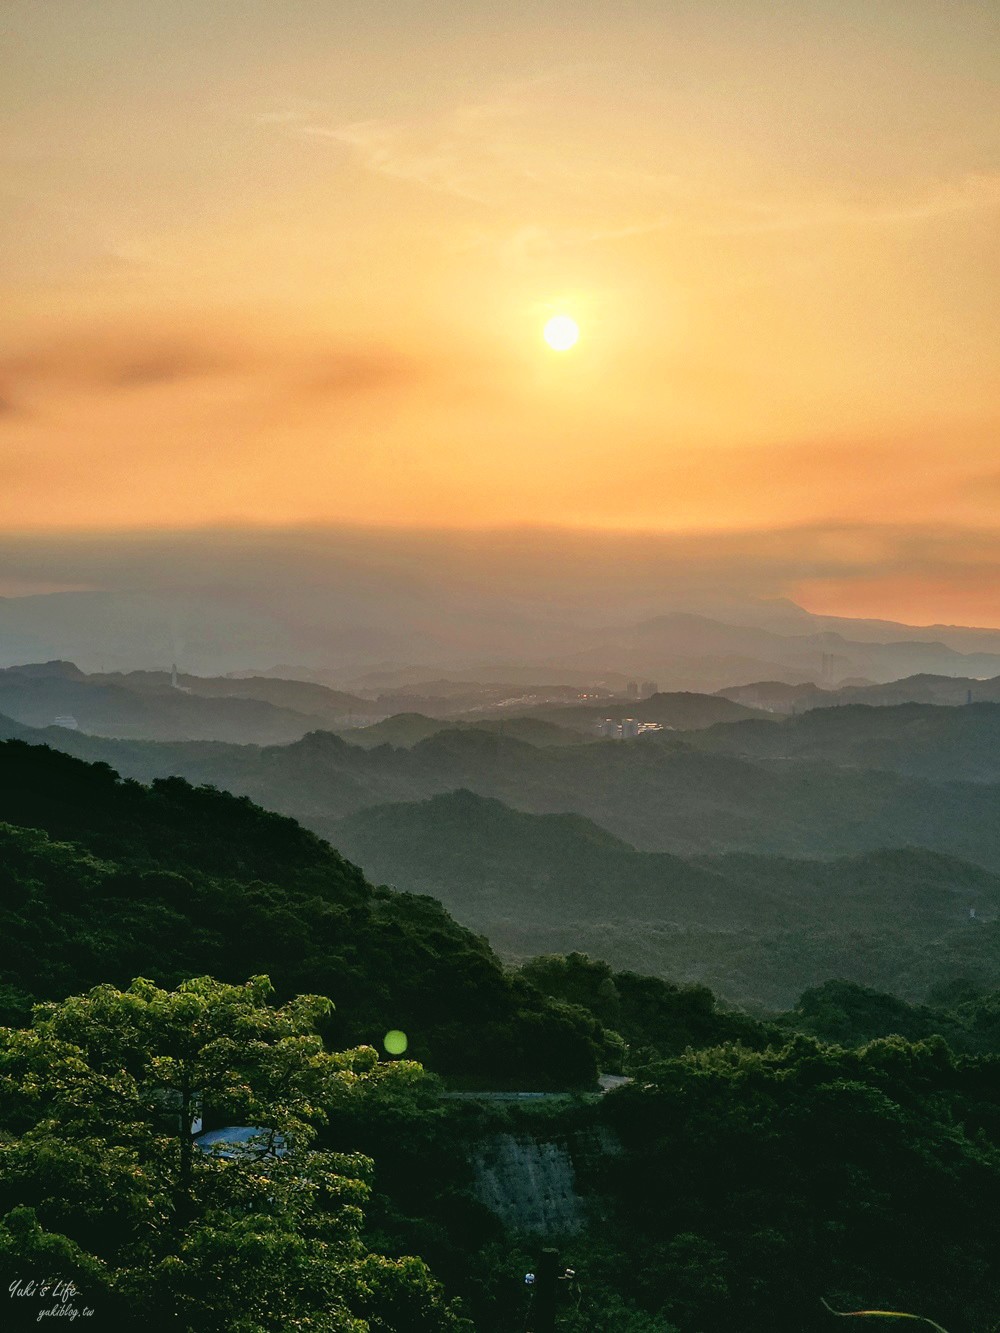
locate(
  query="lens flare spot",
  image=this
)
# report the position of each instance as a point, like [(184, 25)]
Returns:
[(395, 1042)]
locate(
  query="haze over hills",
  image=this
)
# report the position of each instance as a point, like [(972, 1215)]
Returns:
[(779, 697), (758, 851), (150, 705), (935, 742), (758, 929), (817, 815), (407, 729), (558, 723), (532, 455), (689, 856), (662, 792), (494, 860), (161, 705), (698, 652), (520, 607), (268, 709)]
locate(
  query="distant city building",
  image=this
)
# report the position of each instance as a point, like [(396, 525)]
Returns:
[(648, 689), (625, 729), (632, 689), (70, 723)]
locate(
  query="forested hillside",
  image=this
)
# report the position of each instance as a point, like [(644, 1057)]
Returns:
[(936, 743), (746, 1174), (757, 929), (659, 793), (103, 880)]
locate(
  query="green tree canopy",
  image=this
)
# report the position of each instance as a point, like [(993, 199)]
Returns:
[(103, 1184)]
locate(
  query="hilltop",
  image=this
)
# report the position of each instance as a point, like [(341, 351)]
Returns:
[(160, 705), (757, 929)]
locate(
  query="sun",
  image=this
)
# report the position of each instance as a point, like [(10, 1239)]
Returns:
[(561, 333)]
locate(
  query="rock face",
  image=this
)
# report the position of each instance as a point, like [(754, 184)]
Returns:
[(530, 1186)]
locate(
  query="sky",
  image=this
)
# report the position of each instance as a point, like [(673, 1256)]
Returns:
[(288, 265)]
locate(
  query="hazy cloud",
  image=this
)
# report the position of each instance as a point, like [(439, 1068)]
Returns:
[(357, 372), (594, 575), (98, 360), (105, 358)]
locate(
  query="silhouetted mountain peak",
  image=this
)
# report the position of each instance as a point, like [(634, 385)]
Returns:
[(58, 668), (472, 742), (316, 742)]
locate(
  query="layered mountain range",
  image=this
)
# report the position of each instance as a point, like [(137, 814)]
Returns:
[(385, 630), (759, 853)]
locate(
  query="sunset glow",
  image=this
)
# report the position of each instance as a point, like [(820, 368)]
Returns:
[(291, 269)]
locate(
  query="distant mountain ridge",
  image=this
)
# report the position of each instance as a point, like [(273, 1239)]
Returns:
[(924, 688), (757, 929), (408, 729), (734, 787), (678, 710), (703, 650), (162, 706), (932, 742), (366, 618)]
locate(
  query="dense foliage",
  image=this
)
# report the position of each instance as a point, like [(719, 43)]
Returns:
[(727, 1188), (966, 1016), (104, 1186), (754, 1184), (651, 1017)]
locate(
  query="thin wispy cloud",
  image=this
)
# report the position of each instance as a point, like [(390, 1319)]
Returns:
[(746, 216), (490, 153)]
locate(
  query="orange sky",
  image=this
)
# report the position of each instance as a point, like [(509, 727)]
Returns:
[(279, 264)]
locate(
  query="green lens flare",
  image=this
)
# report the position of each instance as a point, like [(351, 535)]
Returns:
[(395, 1042)]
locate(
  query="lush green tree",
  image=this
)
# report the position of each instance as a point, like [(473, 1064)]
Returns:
[(753, 1184), (102, 1181), (643, 1017), (850, 1015)]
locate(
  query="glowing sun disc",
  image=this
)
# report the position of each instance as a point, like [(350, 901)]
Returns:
[(561, 333)]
